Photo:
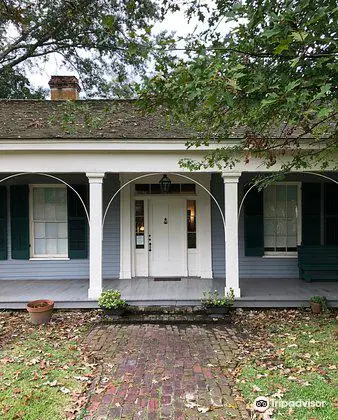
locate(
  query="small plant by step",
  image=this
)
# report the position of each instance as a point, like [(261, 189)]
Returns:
[(111, 299), (321, 300), (213, 300)]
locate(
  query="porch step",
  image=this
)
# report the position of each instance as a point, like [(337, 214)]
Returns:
[(169, 319)]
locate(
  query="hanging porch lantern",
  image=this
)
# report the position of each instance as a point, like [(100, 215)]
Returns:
[(165, 184)]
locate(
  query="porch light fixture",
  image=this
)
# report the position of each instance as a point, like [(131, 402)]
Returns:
[(165, 184)]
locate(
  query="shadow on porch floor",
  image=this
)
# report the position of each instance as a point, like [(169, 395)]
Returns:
[(146, 291)]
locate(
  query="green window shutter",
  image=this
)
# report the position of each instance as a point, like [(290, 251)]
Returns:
[(77, 223), (20, 221), (254, 224), (311, 204), (3, 223), (331, 213)]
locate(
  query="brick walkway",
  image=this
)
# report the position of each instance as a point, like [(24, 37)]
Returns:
[(163, 372)]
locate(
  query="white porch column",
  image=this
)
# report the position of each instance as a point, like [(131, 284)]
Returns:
[(231, 231), (95, 234)]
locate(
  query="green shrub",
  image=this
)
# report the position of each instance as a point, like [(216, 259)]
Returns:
[(111, 299), (212, 299), (321, 300)]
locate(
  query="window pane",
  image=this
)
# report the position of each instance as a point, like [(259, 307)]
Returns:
[(51, 246), (280, 218), (281, 242), (39, 230), (139, 224), (281, 227), (292, 227), (63, 246), (142, 188), (156, 189), (175, 188), (292, 242), (269, 241), (191, 223), (51, 230), (49, 211), (62, 230), (38, 204), (61, 196), (270, 227), (40, 246), (50, 195), (281, 201), (292, 192), (50, 206), (61, 212), (191, 240), (188, 188), (269, 202)]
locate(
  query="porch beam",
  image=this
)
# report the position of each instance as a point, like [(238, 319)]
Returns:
[(231, 231), (95, 234)]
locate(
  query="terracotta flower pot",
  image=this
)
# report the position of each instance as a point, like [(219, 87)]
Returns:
[(316, 308), (40, 311)]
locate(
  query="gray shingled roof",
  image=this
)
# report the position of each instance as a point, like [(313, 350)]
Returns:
[(90, 119)]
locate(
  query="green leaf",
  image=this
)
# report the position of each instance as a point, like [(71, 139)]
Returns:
[(229, 99), (324, 112), (294, 62), (292, 85), (283, 46), (299, 36)]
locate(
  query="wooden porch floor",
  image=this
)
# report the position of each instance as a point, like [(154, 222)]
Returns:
[(145, 291)]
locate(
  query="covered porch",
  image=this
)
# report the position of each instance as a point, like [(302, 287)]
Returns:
[(256, 293)]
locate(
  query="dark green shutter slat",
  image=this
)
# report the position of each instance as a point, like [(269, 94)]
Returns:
[(20, 221), (311, 205), (331, 213), (3, 223), (254, 224), (77, 223)]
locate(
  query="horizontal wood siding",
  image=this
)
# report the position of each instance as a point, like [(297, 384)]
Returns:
[(77, 268), (217, 229), (111, 231)]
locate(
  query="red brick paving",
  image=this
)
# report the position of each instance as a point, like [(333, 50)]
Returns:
[(155, 372)]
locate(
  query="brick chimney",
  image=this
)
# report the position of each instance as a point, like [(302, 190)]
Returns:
[(64, 88)]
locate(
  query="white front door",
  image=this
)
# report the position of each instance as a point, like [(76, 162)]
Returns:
[(167, 237)]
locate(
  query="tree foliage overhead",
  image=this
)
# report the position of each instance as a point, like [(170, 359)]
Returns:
[(14, 85), (96, 38), (271, 80)]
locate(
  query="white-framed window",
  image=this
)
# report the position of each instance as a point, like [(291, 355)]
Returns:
[(48, 217), (282, 219)]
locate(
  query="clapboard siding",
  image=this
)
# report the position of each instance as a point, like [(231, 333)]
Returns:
[(250, 267), (111, 231), (77, 268), (217, 229)]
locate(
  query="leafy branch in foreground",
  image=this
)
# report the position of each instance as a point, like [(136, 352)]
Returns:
[(269, 83)]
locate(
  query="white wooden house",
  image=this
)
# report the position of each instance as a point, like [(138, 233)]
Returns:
[(159, 233)]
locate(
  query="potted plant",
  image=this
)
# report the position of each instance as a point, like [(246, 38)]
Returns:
[(216, 305), (318, 304), (111, 303), (40, 311)]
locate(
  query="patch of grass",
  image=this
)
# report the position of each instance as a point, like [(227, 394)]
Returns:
[(43, 370), (292, 357)]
